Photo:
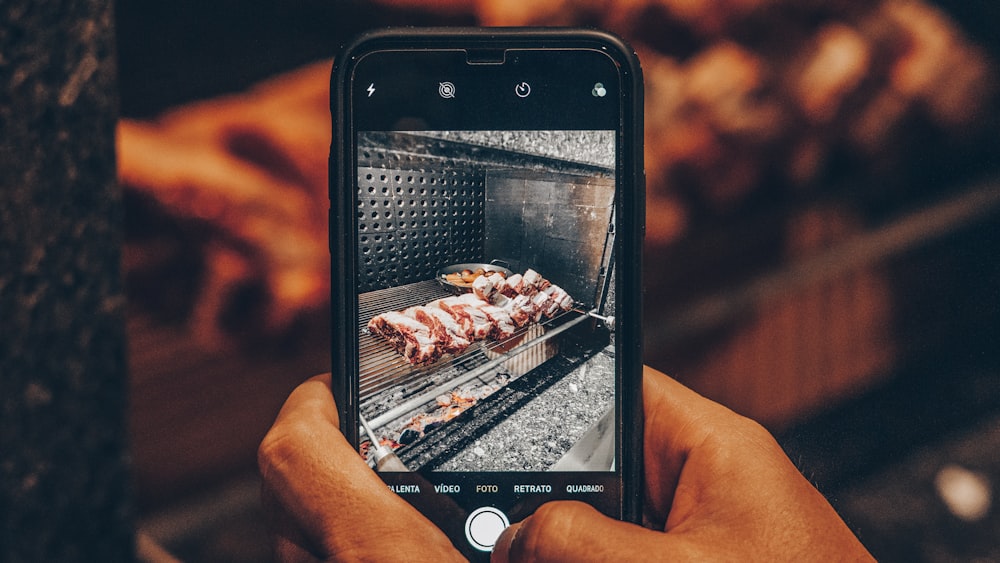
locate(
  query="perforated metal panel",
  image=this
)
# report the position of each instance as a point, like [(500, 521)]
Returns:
[(421, 201), (416, 215)]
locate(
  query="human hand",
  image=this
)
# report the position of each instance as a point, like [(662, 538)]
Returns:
[(718, 487), (324, 502)]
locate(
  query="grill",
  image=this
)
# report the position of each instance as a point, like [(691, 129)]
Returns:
[(385, 375), (425, 203), (392, 388)]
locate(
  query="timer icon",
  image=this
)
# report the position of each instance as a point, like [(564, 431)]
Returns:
[(522, 90)]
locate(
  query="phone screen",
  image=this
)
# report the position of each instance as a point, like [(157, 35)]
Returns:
[(491, 213)]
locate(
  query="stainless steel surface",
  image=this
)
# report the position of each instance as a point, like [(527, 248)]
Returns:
[(413, 219), (559, 224), (425, 203)]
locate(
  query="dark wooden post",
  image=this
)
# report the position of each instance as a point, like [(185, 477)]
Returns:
[(64, 485)]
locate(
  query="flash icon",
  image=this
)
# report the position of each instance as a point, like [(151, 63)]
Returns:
[(371, 89)]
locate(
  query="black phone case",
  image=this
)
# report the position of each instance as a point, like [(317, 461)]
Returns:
[(342, 182)]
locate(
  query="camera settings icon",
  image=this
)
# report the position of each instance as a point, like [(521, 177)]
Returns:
[(446, 89)]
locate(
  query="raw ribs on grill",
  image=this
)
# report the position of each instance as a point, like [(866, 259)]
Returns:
[(495, 309), (408, 336)]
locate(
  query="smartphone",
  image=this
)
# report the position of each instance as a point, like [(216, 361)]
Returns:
[(486, 224)]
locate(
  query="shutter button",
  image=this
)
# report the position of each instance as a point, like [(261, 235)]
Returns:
[(484, 526)]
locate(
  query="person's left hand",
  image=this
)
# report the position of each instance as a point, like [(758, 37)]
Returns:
[(324, 502)]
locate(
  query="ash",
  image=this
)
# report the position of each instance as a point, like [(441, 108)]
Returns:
[(540, 433)]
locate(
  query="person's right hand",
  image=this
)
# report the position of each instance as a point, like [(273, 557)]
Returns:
[(718, 487)]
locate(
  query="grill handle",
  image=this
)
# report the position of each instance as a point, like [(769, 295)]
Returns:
[(609, 321), (502, 263)]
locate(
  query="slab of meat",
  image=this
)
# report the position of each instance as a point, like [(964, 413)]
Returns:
[(423, 333), (522, 286), (535, 279), (544, 305), (503, 324), (483, 287), (463, 321), (499, 282), (510, 288), (467, 314), (448, 333), (409, 337), (528, 307), (559, 295), (519, 308)]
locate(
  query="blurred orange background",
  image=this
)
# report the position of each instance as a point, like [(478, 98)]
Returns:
[(820, 203)]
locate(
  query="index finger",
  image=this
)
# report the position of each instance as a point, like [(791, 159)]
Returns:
[(678, 420), (311, 400)]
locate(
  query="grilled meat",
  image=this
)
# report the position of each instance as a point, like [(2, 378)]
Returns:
[(510, 288), (409, 337), (483, 287), (560, 296), (465, 311), (523, 285), (448, 333), (496, 309)]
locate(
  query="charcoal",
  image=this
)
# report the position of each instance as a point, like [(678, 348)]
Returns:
[(408, 436)]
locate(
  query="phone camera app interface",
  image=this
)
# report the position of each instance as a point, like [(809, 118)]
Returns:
[(486, 301), (446, 90)]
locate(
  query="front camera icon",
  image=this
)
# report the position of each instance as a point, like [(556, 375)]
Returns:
[(446, 89), (599, 91)]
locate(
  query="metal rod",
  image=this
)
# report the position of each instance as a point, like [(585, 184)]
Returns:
[(380, 450), (609, 320), (368, 430), (420, 400), (385, 459)]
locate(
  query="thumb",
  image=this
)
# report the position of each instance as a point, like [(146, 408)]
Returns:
[(571, 531)]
